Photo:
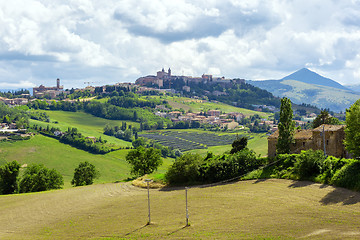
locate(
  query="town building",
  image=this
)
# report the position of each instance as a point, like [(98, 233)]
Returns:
[(163, 76), (50, 91), (325, 137)]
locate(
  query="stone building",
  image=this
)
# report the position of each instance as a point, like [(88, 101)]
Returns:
[(51, 91), (314, 139)]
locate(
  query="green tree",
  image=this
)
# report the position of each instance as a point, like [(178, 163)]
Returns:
[(286, 127), (352, 130), (9, 177), (325, 118), (144, 161), (84, 174), (139, 142), (238, 145), (38, 178)]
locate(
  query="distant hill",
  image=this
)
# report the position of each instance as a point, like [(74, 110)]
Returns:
[(307, 76), (355, 88), (305, 86)]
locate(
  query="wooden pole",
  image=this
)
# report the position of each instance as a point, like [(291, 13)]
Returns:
[(187, 211)]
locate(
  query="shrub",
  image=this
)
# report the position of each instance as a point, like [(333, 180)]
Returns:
[(308, 164), (348, 176), (84, 174), (184, 170), (38, 178), (329, 168), (8, 177)]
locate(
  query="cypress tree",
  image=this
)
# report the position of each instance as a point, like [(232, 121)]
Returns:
[(286, 127)]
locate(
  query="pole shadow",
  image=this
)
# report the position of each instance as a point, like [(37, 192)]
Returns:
[(138, 229), (173, 232)]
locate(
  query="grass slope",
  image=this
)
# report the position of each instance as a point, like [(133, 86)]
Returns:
[(271, 209), (86, 123), (64, 158), (197, 105)]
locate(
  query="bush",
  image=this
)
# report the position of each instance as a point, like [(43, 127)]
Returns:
[(329, 168), (308, 164), (8, 177), (84, 174), (348, 176), (185, 169), (38, 178)]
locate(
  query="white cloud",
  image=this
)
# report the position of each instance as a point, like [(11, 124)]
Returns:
[(122, 40)]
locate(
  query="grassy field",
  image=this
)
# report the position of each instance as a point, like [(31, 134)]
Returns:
[(271, 209), (86, 123), (65, 159), (197, 105)]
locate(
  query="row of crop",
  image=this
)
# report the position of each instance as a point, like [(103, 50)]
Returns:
[(173, 142)]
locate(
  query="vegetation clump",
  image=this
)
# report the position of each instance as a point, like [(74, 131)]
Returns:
[(84, 174), (144, 161), (38, 178)]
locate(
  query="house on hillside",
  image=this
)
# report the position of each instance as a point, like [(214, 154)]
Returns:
[(314, 139)]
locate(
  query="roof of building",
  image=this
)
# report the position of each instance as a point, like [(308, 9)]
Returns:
[(328, 127), (299, 134), (307, 133)]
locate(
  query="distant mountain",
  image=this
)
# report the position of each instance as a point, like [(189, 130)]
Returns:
[(355, 88), (307, 76), (305, 86)]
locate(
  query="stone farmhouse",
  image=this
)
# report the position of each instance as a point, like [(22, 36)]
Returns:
[(314, 139)]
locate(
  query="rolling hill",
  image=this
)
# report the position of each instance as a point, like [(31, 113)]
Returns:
[(305, 86)]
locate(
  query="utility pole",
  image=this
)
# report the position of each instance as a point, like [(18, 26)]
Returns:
[(148, 181), (187, 211)]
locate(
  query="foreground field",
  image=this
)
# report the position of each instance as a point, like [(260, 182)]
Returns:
[(271, 209)]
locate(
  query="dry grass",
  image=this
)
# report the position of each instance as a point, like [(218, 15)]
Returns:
[(271, 209)]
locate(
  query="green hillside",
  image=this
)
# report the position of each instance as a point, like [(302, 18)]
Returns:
[(269, 209), (87, 124), (198, 105), (65, 159)]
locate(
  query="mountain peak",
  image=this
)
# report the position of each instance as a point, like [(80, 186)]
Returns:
[(307, 76)]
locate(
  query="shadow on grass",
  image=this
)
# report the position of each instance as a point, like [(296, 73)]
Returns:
[(260, 180), (298, 184), (186, 226), (341, 195), (138, 229)]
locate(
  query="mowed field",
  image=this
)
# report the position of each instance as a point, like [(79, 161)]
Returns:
[(268, 209)]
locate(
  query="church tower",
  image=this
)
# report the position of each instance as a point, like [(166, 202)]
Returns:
[(169, 72)]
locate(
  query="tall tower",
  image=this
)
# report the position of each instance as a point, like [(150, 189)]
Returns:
[(58, 83), (169, 72)]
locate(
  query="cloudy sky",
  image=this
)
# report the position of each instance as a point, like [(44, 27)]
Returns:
[(105, 42)]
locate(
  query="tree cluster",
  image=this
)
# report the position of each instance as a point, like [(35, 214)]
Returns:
[(124, 132), (194, 169), (35, 178)]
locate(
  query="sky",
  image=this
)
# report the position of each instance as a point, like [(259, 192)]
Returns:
[(85, 42)]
